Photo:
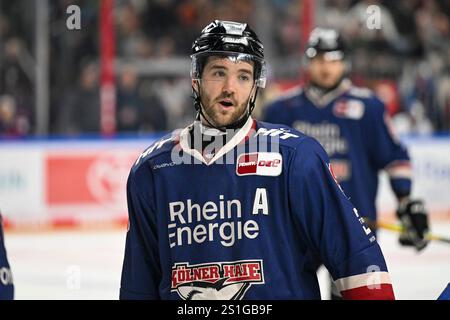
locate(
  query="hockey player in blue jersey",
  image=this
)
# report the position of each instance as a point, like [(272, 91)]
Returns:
[(233, 208), (6, 281), (352, 125)]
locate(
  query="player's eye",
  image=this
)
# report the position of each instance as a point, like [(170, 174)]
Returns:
[(244, 77), (218, 74)]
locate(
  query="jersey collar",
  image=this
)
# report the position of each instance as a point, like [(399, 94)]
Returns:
[(239, 137), (323, 100)]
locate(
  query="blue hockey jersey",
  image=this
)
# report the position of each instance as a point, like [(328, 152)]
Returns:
[(251, 220), (6, 281), (352, 125)]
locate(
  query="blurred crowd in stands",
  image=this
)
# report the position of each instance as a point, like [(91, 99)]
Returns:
[(406, 61)]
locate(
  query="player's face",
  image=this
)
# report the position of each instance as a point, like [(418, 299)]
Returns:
[(325, 73), (225, 89)]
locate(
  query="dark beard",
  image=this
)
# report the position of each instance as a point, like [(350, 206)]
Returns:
[(235, 123)]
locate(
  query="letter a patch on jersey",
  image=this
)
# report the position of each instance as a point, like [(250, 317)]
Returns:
[(259, 163)]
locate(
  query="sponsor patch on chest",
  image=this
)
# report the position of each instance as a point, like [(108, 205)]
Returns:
[(259, 163), (350, 109)]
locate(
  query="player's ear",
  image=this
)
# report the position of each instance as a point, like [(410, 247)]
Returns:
[(195, 84)]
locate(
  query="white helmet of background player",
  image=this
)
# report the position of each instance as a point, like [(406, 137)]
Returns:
[(236, 41)]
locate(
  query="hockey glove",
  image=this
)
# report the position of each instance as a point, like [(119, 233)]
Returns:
[(414, 220)]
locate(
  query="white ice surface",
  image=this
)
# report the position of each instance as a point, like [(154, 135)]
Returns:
[(87, 265)]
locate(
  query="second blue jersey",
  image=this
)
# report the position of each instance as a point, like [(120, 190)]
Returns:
[(352, 125)]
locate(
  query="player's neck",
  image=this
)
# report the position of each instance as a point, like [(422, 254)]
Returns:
[(323, 96), (202, 136)]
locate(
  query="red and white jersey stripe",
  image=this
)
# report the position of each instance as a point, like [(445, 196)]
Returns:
[(366, 286)]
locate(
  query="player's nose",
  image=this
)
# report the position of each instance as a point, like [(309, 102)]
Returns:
[(229, 85)]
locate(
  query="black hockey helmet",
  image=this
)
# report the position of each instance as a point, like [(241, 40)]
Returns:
[(229, 38), (325, 41)]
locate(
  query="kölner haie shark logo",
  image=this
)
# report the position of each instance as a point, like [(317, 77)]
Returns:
[(216, 281)]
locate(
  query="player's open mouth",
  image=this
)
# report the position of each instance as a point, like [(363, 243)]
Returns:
[(226, 103)]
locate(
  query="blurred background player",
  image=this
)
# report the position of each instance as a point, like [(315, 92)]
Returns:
[(353, 126), (6, 281)]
